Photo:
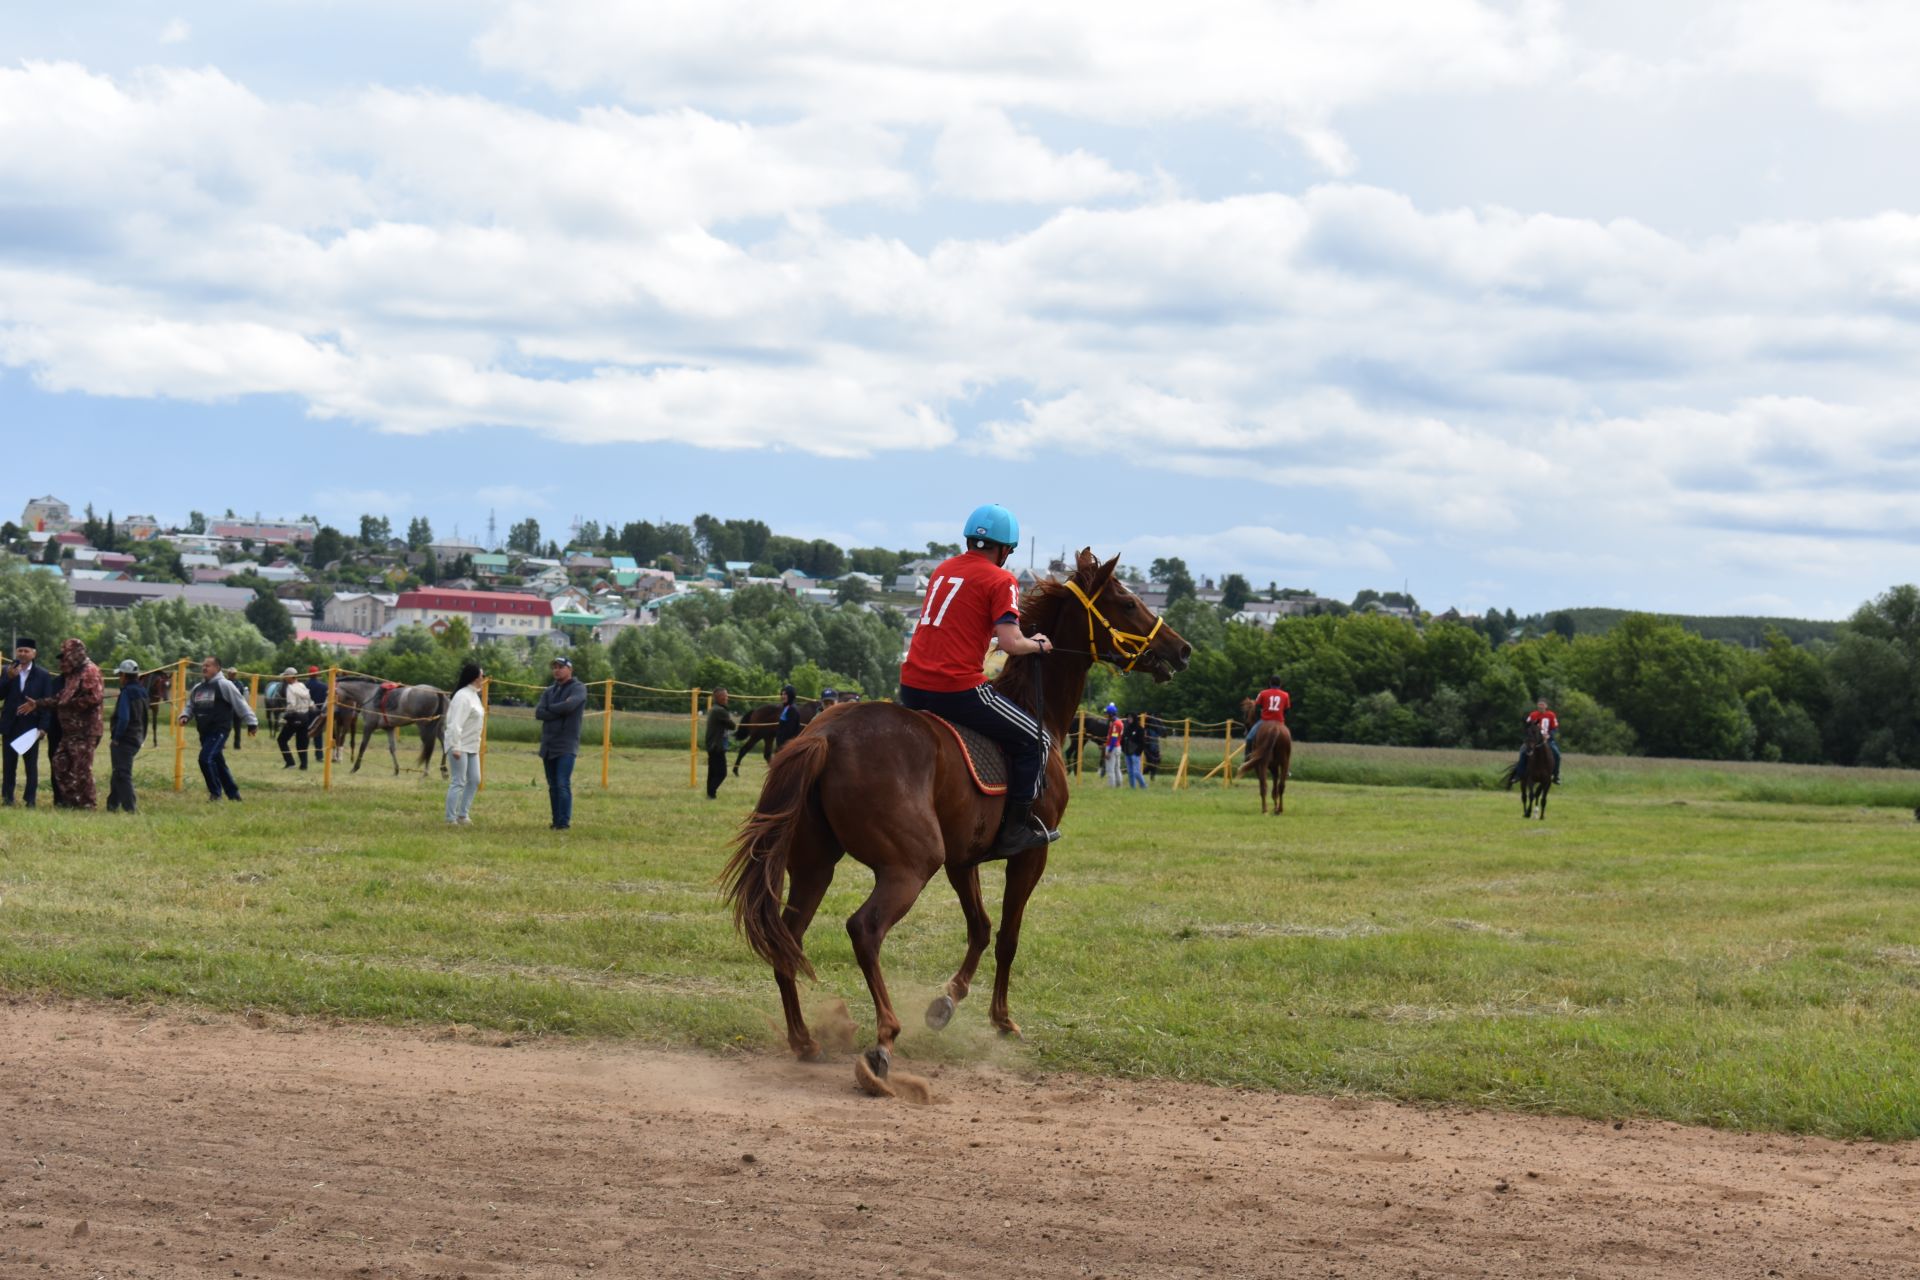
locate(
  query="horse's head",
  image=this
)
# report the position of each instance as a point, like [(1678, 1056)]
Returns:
[(1249, 709), (1120, 629)]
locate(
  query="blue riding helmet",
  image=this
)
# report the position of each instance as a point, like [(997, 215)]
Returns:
[(994, 523)]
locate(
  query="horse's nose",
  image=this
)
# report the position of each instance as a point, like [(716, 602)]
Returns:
[(1186, 652)]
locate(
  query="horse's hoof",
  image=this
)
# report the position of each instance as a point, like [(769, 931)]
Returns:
[(940, 1013), (878, 1060), (868, 1083), (1010, 1029)]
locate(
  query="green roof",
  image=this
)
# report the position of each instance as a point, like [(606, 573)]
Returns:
[(489, 562)]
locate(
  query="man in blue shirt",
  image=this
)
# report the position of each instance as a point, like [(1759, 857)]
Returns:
[(128, 735), (25, 682)]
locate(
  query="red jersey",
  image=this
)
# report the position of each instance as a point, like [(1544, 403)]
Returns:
[(966, 597), (1549, 722), (1273, 704)]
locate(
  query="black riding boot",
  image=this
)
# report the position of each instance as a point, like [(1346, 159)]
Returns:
[(1019, 832), (287, 756)]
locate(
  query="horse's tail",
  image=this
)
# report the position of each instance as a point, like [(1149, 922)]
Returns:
[(759, 864), (1511, 776)]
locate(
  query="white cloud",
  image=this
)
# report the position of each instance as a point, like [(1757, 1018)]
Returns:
[(1264, 554), (177, 31), (982, 156), (1285, 63)]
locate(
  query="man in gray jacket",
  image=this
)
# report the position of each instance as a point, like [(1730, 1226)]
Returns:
[(562, 707), (217, 708)]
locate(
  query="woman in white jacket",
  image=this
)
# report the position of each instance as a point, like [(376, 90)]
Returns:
[(462, 743)]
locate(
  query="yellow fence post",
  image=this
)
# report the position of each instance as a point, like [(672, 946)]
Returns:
[(693, 740), (606, 739), (1226, 760), (486, 683), (1186, 749), (179, 729), (326, 766)]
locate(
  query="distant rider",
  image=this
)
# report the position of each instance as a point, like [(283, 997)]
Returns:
[(1550, 725), (971, 599), (1271, 703)]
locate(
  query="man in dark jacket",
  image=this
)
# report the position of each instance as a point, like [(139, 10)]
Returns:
[(217, 709), (561, 709), (128, 736), (788, 727), (720, 723), (25, 682)]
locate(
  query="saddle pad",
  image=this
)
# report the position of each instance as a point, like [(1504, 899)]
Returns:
[(985, 760)]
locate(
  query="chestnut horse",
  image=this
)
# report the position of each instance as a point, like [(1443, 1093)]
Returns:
[(890, 787), (1538, 778), (1269, 755)]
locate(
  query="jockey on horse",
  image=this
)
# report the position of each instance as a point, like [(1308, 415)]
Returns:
[(1271, 703), (971, 599), (1550, 730)]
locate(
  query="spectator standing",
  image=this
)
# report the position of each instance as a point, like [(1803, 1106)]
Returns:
[(1111, 754), (1153, 730), (720, 723), (27, 684), (296, 717), (217, 707), (1133, 741), (788, 727), (561, 710), (466, 714), (76, 704), (128, 736)]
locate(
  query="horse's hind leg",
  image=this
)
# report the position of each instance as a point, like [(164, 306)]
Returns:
[(1023, 873), (807, 879), (896, 884), (966, 883), (393, 748)]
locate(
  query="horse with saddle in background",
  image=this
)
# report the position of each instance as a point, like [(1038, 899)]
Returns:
[(273, 700), (904, 793), (1269, 755), (372, 704), (1537, 778), (760, 726)]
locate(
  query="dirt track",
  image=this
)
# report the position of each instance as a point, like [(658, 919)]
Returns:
[(175, 1146)]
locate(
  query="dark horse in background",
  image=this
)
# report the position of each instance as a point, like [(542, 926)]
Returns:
[(760, 726), (892, 788), (1269, 756), (1537, 779), (159, 687), (371, 705)]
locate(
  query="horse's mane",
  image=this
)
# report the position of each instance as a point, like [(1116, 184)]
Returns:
[(1019, 680)]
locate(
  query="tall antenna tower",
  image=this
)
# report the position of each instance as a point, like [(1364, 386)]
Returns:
[(493, 543)]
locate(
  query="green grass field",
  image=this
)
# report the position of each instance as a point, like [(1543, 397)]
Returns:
[(1735, 946)]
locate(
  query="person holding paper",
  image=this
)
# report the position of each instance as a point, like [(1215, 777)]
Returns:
[(21, 724)]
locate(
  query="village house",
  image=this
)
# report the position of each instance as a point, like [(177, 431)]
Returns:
[(359, 612), (489, 614)]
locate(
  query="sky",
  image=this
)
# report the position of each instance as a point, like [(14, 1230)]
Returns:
[(1516, 303)]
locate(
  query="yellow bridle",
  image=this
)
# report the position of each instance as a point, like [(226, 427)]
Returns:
[(1126, 644)]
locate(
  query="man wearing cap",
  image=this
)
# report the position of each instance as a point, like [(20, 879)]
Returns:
[(561, 709), (128, 736), (76, 709), (25, 683), (297, 720)]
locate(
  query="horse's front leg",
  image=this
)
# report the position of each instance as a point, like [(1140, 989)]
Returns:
[(1023, 873), (966, 883)]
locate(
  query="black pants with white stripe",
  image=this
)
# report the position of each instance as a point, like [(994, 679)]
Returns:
[(983, 710)]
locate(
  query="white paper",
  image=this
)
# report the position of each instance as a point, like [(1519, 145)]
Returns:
[(24, 743)]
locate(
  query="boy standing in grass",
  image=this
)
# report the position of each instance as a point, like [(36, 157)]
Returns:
[(720, 723), (129, 735), (561, 710)]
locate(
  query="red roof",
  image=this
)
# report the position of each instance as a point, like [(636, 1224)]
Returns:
[(475, 602), (334, 639)]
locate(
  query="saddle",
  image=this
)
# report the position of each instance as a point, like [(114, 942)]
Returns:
[(985, 760), (387, 690)]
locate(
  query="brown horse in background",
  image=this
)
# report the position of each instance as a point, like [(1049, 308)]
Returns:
[(761, 726), (1269, 756), (1538, 778), (891, 787)]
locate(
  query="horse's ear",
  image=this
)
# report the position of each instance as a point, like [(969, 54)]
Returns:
[(1086, 564), (1103, 574)]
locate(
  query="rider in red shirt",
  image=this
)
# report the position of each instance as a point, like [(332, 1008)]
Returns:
[(1271, 703), (1550, 725), (972, 599)]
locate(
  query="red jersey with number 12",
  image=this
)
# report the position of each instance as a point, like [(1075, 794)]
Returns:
[(966, 597), (1273, 704)]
